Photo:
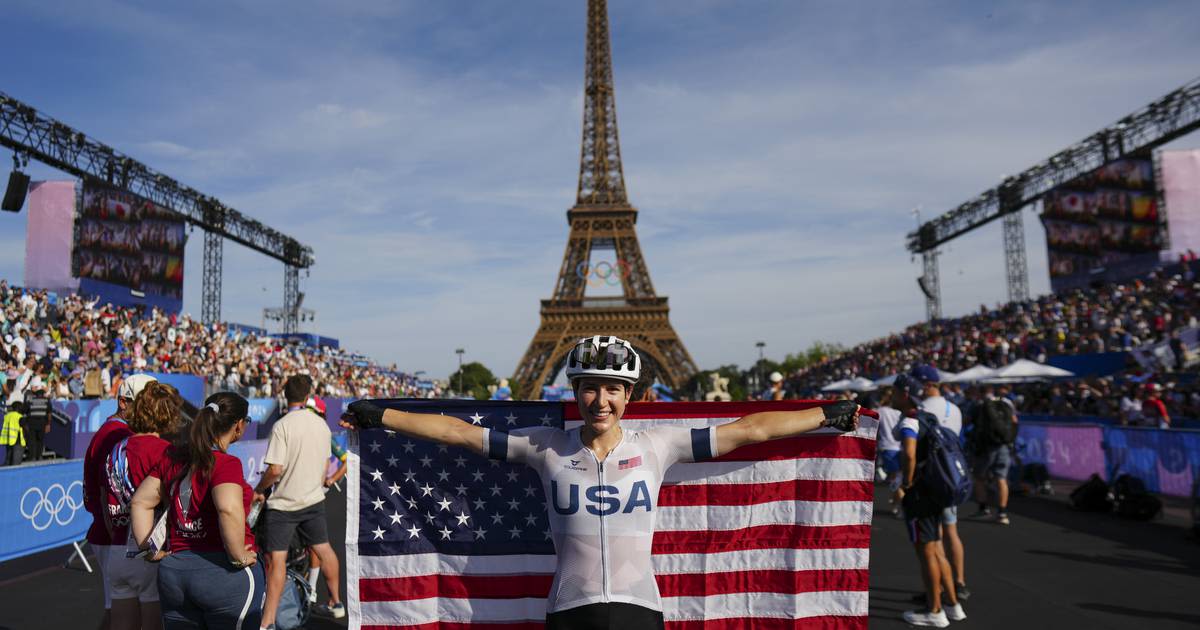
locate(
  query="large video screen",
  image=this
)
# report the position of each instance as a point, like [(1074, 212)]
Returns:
[(129, 241), (1103, 224)]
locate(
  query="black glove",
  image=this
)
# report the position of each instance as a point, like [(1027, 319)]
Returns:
[(364, 414), (841, 415)]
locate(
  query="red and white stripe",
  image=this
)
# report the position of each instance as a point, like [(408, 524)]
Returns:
[(771, 536)]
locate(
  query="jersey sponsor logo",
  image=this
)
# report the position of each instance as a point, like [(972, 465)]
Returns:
[(574, 465), (601, 500)]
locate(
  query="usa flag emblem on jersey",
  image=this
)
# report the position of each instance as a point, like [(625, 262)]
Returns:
[(774, 535)]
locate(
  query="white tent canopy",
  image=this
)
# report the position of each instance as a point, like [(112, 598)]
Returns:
[(1023, 370), (837, 386), (971, 375), (860, 384)]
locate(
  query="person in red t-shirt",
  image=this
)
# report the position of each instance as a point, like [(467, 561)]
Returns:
[(112, 431), (133, 583), (1154, 411), (208, 577)]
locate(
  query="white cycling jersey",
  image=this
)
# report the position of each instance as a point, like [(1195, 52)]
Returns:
[(602, 513)]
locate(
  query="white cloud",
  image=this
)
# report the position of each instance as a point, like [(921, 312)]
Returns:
[(429, 153)]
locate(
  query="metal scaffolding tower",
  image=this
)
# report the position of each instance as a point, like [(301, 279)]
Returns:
[(1161, 121), (932, 285), (32, 134), (1014, 257)]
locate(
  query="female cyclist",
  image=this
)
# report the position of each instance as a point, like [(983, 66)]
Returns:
[(209, 578), (602, 517), (133, 583)]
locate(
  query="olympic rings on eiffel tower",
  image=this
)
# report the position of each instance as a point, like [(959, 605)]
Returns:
[(603, 272)]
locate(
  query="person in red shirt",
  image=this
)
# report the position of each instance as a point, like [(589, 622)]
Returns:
[(133, 583), (112, 431), (1154, 411), (208, 576)]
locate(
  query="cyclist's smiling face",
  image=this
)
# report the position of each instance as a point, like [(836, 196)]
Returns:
[(602, 402)]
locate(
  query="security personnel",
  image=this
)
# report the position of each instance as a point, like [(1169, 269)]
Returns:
[(12, 437)]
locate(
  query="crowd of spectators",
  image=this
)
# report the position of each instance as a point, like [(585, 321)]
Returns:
[(75, 347), (1101, 318)]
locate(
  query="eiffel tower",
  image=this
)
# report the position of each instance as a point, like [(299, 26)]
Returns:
[(602, 219)]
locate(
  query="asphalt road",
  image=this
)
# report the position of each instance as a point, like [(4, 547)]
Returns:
[(1051, 568)]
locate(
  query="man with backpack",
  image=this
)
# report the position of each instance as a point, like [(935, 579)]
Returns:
[(935, 478), (993, 435)]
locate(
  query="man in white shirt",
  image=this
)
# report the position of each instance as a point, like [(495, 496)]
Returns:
[(950, 416), (297, 464), (887, 447)]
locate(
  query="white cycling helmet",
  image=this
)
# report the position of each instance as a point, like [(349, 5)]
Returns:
[(604, 356)]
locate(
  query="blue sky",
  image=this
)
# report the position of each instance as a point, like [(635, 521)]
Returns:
[(428, 151)]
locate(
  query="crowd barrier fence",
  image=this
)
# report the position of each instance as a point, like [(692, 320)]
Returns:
[(41, 505), (1168, 461)]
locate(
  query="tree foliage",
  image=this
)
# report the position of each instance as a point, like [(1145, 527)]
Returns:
[(475, 380)]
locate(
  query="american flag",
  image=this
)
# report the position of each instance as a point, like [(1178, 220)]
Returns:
[(774, 535)]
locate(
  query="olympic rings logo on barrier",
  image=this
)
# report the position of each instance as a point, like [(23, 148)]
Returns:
[(54, 505), (603, 272)]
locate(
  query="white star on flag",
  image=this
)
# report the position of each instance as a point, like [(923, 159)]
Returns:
[(394, 488), (445, 504), (443, 476), (477, 475), (426, 461), (392, 460), (375, 446), (426, 490), (514, 504), (410, 476), (461, 489), (429, 518), (395, 516), (445, 533), (462, 517), (545, 420), (512, 475), (530, 491), (413, 532), (515, 532), (409, 446), (497, 518), (480, 504), (377, 476), (476, 418), (412, 503), (378, 503), (480, 533), (531, 519), (460, 461), (378, 533), (512, 420), (496, 490)]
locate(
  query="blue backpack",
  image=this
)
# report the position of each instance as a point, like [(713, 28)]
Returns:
[(945, 478)]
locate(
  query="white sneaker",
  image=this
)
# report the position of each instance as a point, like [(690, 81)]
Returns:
[(926, 618), (954, 612)]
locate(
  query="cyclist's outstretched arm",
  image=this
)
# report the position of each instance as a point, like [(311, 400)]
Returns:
[(426, 426), (772, 425)]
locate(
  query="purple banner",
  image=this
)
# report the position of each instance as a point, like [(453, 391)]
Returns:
[(1069, 452)]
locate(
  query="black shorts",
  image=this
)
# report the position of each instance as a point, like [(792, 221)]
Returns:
[(281, 526), (605, 616), (922, 520)]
